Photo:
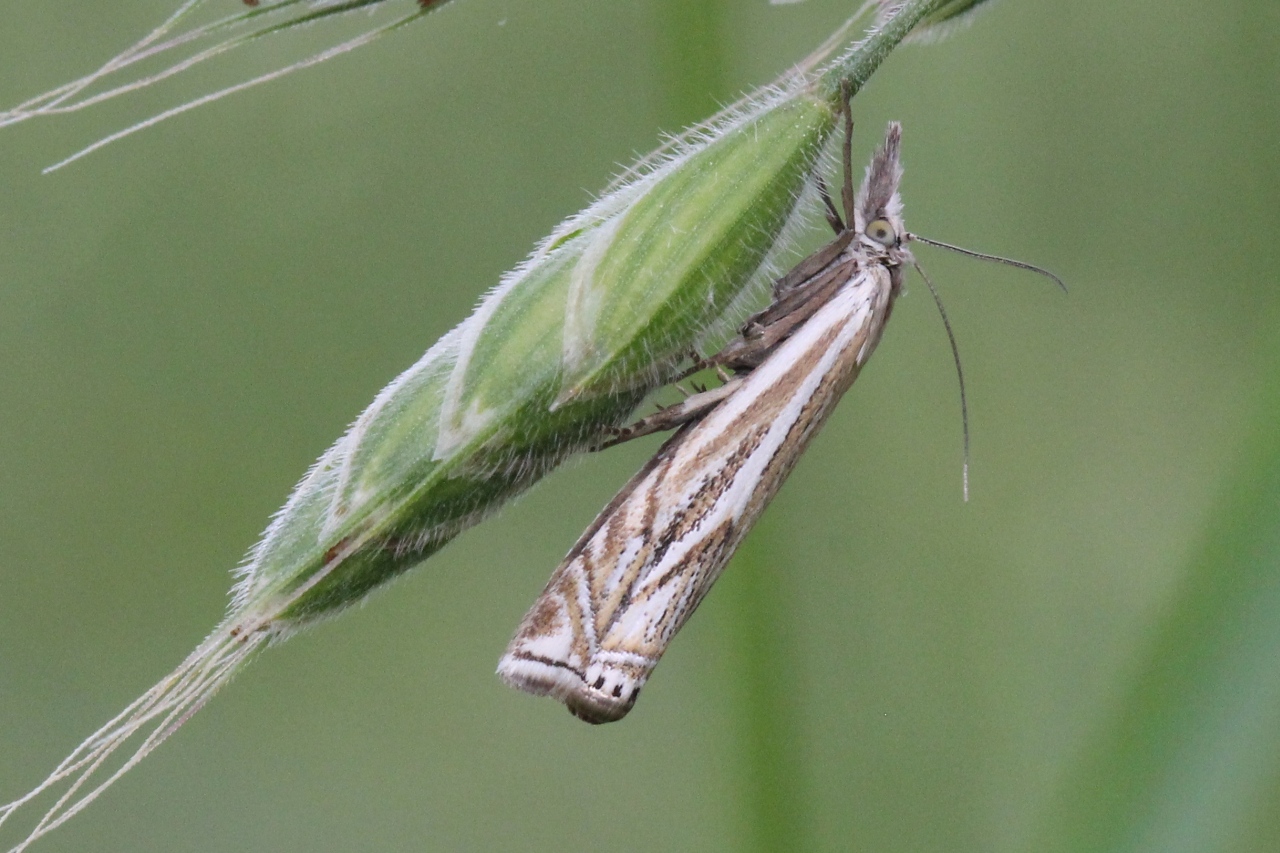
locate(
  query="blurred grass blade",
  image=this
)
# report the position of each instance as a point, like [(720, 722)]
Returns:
[(176, 50), (1190, 757), (768, 707)]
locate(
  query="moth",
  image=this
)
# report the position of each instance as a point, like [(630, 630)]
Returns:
[(595, 634), (640, 570)]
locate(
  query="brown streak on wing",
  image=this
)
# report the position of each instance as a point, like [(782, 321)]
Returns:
[(812, 265), (711, 553), (820, 405), (701, 565)]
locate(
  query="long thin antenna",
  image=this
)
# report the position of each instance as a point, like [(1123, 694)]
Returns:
[(1022, 265), (955, 355)]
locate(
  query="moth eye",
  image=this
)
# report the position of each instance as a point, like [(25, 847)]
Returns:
[(882, 232)]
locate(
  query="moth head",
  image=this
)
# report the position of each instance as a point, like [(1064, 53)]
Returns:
[(878, 207)]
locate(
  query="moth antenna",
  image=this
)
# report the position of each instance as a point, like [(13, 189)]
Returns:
[(833, 215), (955, 356), (846, 153), (1022, 265)]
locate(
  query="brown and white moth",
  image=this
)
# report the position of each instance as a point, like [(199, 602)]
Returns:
[(640, 570)]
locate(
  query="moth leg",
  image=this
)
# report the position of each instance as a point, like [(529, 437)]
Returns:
[(763, 332), (697, 364), (833, 215), (692, 408), (846, 191), (813, 266)]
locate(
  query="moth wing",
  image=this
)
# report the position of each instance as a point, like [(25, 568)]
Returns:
[(641, 569), (558, 640)]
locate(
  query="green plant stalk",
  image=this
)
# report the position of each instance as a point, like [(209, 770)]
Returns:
[(1189, 755)]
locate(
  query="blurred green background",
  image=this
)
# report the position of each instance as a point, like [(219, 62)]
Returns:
[(1086, 656)]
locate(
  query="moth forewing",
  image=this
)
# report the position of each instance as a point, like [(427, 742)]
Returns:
[(640, 570), (644, 565)]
